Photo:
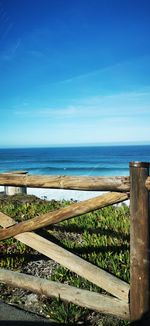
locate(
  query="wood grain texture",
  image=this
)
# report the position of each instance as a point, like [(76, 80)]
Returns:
[(139, 241), (118, 183), (73, 210), (83, 298), (101, 278)]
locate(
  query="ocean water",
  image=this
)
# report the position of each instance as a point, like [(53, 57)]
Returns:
[(86, 161)]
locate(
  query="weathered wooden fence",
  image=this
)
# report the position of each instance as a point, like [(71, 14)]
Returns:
[(126, 301)]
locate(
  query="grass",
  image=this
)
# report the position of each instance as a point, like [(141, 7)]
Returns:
[(100, 237)]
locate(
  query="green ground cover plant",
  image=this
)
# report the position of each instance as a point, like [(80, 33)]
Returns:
[(100, 237)]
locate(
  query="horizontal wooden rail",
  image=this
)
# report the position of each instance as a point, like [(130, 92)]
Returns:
[(73, 210), (83, 298), (92, 273), (118, 183), (147, 183)]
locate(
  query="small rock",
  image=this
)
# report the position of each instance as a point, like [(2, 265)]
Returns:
[(31, 299)]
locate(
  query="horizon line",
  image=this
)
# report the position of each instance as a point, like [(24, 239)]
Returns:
[(107, 144)]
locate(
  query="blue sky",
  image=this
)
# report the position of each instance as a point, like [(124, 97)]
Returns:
[(74, 72)]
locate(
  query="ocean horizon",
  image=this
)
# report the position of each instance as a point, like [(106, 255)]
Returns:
[(86, 161), (83, 160)]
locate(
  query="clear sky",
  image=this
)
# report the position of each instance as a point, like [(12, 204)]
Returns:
[(74, 72)]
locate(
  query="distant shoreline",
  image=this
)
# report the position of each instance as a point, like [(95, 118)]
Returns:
[(63, 194), (60, 194)]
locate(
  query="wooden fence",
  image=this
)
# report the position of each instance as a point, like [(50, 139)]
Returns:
[(126, 301)]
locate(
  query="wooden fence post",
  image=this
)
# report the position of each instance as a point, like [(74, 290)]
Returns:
[(13, 190), (139, 241)]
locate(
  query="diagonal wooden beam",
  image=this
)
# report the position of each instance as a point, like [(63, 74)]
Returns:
[(63, 214), (94, 274)]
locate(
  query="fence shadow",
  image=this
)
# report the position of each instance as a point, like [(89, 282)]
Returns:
[(99, 231), (119, 189), (84, 249), (143, 321)]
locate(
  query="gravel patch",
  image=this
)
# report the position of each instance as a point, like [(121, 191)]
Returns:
[(24, 299)]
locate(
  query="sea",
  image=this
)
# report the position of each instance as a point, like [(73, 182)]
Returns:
[(73, 161), (86, 161)]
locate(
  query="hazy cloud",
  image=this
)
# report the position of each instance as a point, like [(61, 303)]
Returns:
[(125, 105)]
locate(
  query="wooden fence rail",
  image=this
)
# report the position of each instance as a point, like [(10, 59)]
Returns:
[(76, 264), (83, 298), (119, 184), (63, 214), (128, 302)]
